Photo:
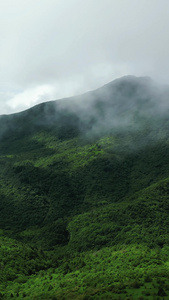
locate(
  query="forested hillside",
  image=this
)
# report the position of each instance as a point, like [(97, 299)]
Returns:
[(84, 196)]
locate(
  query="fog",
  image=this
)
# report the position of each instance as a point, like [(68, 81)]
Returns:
[(55, 49), (133, 110), (128, 105)]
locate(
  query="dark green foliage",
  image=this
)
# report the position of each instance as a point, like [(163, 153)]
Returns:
[(84, 197)]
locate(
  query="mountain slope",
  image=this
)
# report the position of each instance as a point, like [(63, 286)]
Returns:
[(63, 158), (85, 173)]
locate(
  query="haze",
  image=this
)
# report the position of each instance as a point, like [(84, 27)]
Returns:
[(53, 49)]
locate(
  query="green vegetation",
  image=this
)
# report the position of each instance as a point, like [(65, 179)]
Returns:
[(84, 198), (129, 272)]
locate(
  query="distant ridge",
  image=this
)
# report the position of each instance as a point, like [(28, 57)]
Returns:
[(126, 78)]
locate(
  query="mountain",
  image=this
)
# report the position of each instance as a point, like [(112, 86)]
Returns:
[(84, 181)]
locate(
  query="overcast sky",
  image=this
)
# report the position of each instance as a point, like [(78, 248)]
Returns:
[(50, 49)]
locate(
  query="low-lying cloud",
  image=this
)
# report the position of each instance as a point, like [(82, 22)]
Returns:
[(52, 49)]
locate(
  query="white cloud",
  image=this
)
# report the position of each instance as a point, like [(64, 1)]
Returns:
[(51, 48), (29, 97)]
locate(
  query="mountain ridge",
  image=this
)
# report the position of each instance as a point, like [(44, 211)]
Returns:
[(94, 107), (55, 139), (84, 193), (126, 78)]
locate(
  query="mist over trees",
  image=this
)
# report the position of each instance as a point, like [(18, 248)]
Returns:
[(84, 187)]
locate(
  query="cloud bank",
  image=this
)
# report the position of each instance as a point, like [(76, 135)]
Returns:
[(52, 49)]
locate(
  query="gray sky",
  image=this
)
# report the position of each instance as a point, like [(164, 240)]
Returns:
[(50, 49)]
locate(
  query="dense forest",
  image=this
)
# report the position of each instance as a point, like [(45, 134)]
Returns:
[(84, 196)]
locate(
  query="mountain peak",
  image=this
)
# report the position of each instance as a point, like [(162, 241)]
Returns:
[(132, 79)]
